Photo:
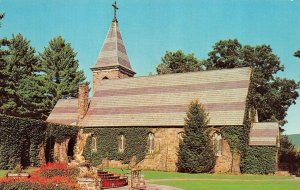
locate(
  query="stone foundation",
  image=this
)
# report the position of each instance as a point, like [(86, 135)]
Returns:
[(88, 184)]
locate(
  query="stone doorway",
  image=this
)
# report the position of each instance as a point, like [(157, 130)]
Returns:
[(49, 150), (71, 147)]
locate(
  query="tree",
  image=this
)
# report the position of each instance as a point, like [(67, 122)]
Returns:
[(178, 62), (288, 154), (59, 64), (3, 73), (195, 150), (272, 95), (297, 54), (20, 68)]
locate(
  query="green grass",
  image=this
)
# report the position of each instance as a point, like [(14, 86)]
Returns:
[(152, 175), (217, 181), (233, 185), (29, 170)]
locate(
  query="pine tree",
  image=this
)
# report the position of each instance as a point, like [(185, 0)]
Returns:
[(59, 63), (3, 72), (196, 153), (20, 66)]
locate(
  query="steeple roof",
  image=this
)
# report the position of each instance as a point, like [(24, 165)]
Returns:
[(113, 53)]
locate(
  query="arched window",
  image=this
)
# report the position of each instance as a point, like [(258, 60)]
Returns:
[(151, 143), (180, 136), (217, 142), (121, 143), (94, 143)]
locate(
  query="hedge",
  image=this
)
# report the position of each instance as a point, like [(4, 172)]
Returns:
[(21, 138)]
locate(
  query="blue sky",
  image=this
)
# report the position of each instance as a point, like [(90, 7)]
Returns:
[(151, 27)]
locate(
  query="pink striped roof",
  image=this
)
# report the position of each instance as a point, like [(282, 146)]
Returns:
[(113, 52), (163, 100), (264, 134), (64, 112)]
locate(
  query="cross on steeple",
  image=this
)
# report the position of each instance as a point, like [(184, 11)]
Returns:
[(115, 11)]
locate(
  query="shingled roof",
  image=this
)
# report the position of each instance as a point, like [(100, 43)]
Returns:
[(113, 52), (264, 134), (163, 100), (64, 112)]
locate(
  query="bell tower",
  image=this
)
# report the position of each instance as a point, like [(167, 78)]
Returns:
[(112, 62)]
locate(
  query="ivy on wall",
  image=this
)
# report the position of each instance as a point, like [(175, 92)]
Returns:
[(254, 159), (107, 144), (21, 139)]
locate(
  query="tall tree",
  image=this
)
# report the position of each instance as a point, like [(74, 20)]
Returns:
[(297, 54), (20, 67), (3, 73), (272, 95), (178, 62), (59, 63), (196, 153)]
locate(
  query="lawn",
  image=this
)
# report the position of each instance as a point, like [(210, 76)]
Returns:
[(217, 181), (211, 181), (232, 185), (29, 170)]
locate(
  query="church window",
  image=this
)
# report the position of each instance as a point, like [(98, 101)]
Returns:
[(217, 142), (151, 143), (180, 136), (121, 143), (94, 144)]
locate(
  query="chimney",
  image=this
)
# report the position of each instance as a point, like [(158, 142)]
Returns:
[(83, 100)]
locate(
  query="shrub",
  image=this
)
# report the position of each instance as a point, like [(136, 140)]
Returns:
[(38, 183), (52, 176), (56, 169)]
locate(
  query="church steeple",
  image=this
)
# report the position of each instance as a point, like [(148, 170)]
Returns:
[(112, 61)]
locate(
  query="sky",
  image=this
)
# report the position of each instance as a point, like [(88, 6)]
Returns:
[(151, 27)]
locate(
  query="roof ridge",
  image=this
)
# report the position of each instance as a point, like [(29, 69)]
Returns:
[(152, 76)]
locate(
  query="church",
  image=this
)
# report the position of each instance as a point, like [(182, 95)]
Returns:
[(119, 101)]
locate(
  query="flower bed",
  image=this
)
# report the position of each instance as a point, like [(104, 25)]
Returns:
[(51, 176)]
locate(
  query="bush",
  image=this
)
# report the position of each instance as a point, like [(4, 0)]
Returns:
[(52, 176), (38, 183), (56, 169)]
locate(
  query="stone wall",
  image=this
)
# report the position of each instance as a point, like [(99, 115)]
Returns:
[(88, 184), (98, 76), (60, 151), (165, 155), (228, 162), (166, 145)]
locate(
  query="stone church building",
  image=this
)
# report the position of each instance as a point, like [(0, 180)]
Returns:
[(159, 103)]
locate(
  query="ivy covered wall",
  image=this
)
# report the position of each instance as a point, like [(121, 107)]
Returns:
[(107, 144), (20, 139), (254, 159)]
